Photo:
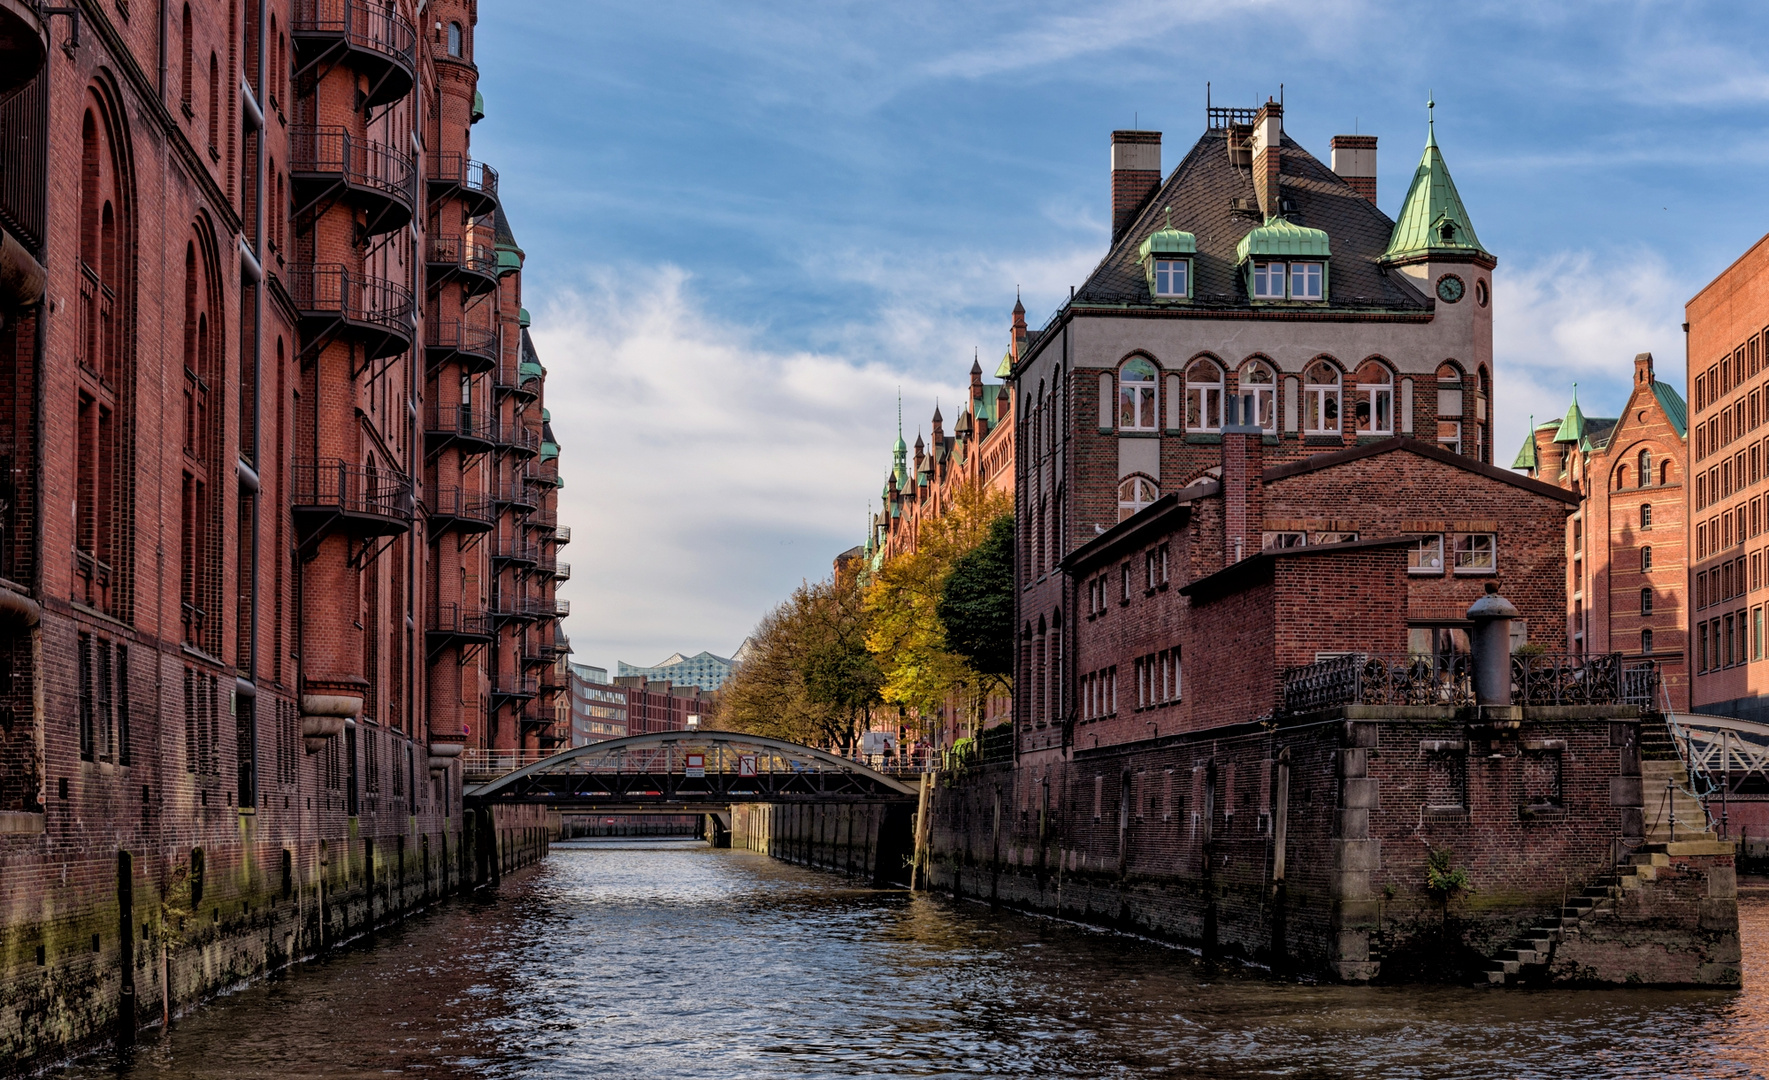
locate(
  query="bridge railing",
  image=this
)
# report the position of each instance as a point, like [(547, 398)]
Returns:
[(480, 765)]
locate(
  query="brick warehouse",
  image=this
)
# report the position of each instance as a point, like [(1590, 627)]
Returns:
[(1257, 515), (311, 541)]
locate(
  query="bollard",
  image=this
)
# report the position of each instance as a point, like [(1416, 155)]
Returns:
[(1490, 640)]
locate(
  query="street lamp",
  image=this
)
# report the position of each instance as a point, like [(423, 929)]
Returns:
[(693, 723)]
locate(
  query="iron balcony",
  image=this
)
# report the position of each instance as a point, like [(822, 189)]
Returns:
[(374, 38)]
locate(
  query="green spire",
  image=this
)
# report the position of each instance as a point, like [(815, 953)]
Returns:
[(1526, 457), (1572, 429), (900, 452), (1433, 221)]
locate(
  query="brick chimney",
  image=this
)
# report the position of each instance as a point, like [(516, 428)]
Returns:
[(1268, 135), (1243, 486), (1354, 159), (1643, 369), (1136, 173)]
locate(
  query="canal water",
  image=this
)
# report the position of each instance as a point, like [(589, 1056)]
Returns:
[(647, 959)]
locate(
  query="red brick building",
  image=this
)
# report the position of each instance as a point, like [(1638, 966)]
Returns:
[(661, 706), (1729, 404), (264, 365), (1628, 582)]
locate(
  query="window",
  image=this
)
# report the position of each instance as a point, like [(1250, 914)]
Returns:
[(1646, 600), (1333, 538), (1320, 399), (1268, 281), (1646, 515), (1645, 467), (1172, 277), (1426, 555), (1134, 493), (185, 64), (1375, 399), (214, 103), (1258, 396), (1124, 575), (1645, 559), (454, 39), (1756, 633), (1203, 396), (1136, 395), (1155, 567), (1305, 281), (1449, 435), (1646, 641), (1269, 541), (1476, 553)]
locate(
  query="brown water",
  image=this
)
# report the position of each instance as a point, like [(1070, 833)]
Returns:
[(668, 959)]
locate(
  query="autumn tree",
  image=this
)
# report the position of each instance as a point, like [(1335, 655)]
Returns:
[(976, 603)]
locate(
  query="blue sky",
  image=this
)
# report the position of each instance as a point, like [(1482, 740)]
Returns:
[(748, 224)]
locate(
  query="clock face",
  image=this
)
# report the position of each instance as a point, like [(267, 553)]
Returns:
[(1450, 288)]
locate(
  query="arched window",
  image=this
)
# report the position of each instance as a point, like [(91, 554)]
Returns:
[(1320, 399), (1646, 641), (1449, 407), (1257, 390), (1134, 493), (1646, 600), (1136, 395), (1645, 559), (1646, 515), (1203, 396), (454, 39), (1645, 467), (1375, 399), (1621, 477), (1664, 473)]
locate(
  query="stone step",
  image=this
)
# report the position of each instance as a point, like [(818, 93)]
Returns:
[(1492, 977), (1545, 933), (1533, 944), (1503, 965), (1523, 956)]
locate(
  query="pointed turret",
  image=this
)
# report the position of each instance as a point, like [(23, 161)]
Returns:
[(1572, 429), (1433, 223), (1526, 455)]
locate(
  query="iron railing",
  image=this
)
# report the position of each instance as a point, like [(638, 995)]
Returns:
[(481, 765), (24, 161), (514, 686), (360, 162), (333, 289), (1424, 679), (542, 519), (460, 422), (517, 436), (454, 502), (516, 551), (562, 608), (453, 618), (561, 571), (338, 485), (562, 535), (366, 25), (471, 250), (458, 170), (458, 336)]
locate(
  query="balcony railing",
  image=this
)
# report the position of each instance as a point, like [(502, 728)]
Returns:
[(545, 474), (367, 27), (457, 620), (516, 551), (24, 133), (451, 169), (331, 289), (452, 336), (543, 519), (561, 608), (514, 686), (360, 162), (471, 252), (480, 765), (561, 571), (1448, 680), (514, 492), (454, 504), (562, 535), (334, 484), (516, 436), (506, 608), (449, 421)]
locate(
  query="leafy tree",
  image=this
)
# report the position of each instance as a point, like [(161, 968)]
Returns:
[(976, 603)]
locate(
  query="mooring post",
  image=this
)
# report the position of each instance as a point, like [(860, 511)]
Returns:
[(921, 811)]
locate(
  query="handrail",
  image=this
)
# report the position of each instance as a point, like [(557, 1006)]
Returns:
[(464, 421), (440, 333), (1427, 679), (375, 27), (364, 162), (337, 484), (452, 167), (455, 502), (453, 618), (468, 250), (332, 288)]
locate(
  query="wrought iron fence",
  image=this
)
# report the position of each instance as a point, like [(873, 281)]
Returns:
[(454, 502), (360, 162), (459, 336), (24, 161), (470, 250), (1425, 679), (449, 167), (452, 618), (338, 485), (562, 535), (460, 421), (515, 435)]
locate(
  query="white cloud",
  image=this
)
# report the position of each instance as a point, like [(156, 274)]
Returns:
[(1575, 318), (706, 472)]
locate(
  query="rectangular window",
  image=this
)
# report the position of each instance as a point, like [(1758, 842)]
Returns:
[(1333, 538), (1172, 277), (1476, 553), (1163, 564), (1727, 652), (1305, 281), (1541, 779), (1426, 555), (1449, 435), (1578, 534), (1756, 633), (1111, 690), (1270, 540), (1268, 281), (1150, 559), (1446, 781), (1701, 646), (1125, 573)]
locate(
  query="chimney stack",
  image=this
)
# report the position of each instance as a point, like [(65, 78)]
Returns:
[(1643, 375), (1268, 137), (1243, 484), (1136, 173), (1354, 159)]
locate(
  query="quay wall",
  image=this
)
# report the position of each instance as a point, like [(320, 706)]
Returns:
[(1305, 845), (868, 840)]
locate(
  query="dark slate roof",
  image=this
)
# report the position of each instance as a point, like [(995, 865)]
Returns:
[(1598, 429), (1199, 191)]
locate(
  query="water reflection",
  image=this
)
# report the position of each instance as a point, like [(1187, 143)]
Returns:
[(661, 959)]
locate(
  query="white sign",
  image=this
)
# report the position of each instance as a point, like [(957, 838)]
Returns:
[(746, 765), (878, 742), (696, 765)]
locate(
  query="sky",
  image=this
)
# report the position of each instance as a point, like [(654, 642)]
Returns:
[(749, 226)]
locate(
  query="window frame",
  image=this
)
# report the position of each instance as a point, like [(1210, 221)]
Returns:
[(1138, 484), (1203, 400), (1415, 567), (1314, 273), (1138, 393), (1371, 397), (1473, 542), (1261, 281), (1266, 414), (1321, 398), (1164, 269)]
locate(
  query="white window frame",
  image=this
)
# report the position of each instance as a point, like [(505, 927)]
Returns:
[(1264, 288), (1282, 539), (1425, 557), (1264, 394), (1319, 399), (1376, 400), (1166, 271), (1449, 435), (1138, 396), (1313, 278), (1138, 484), (1470, 559), (1333, 538), (1203, 399)]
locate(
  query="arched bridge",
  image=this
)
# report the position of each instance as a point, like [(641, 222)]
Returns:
[(687, 771)]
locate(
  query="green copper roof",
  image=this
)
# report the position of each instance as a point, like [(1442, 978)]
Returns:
[(1005, 368), (478, 107), (1168, 242), (522, 318), (1526, 455), (1572, 429), (1279, 237), (1432, 220), (510, 254), (546, 417), (1672, 403), (549, 451), (528, 370)]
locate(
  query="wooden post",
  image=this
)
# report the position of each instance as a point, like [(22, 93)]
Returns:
[(919, 860)]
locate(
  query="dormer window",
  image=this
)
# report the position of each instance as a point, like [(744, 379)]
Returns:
[(1268, 281), (1167, 261), (1305, 281), (1283, 261)]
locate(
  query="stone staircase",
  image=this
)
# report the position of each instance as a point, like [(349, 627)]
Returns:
[(1676, 824)]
